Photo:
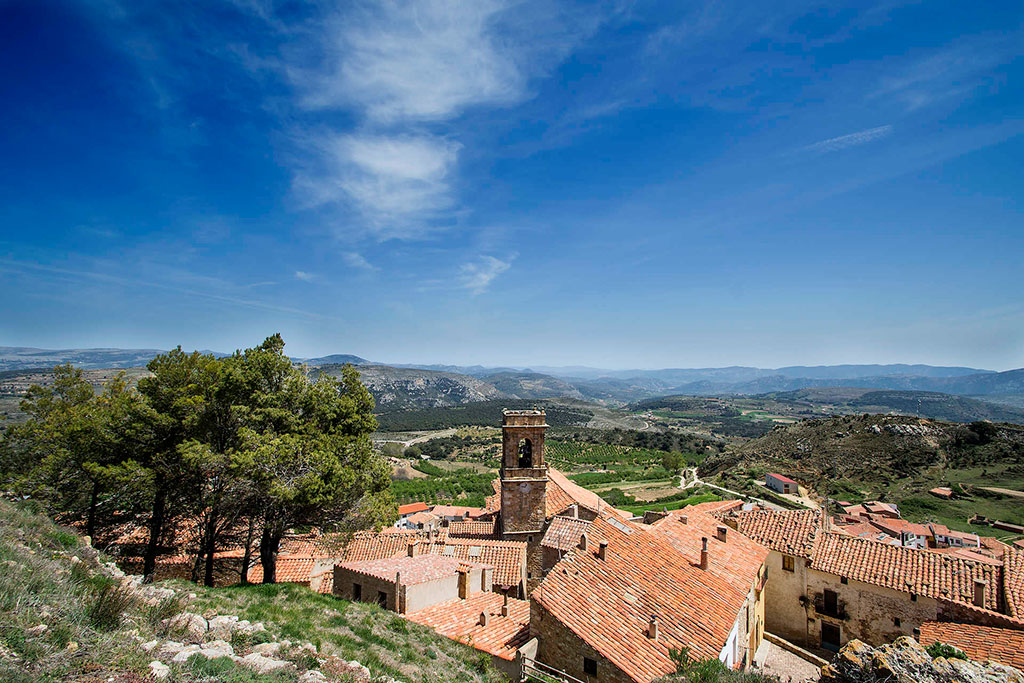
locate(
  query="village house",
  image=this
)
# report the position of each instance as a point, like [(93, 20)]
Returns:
[(780, 483), (408, 510), (827, 587)]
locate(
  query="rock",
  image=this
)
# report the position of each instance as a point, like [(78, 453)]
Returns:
[(312, 676), (114, 570), (75, 559), (267, 649), (215, 649), (905, 661), (185, 653), (193, 625), (246, 627), (263, 665), (151, 645), (172, 647), (37, 630), (159, 670), (223, 626)]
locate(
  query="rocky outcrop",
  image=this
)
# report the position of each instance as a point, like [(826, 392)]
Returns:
[(905, 661)]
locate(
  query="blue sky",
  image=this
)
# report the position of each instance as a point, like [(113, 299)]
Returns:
[(629, 184)]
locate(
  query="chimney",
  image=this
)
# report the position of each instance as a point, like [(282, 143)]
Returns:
[(463, 583), (704, 553), (504, 606), (583, 542), (720, 532), (602, 550), (411, 549), (483, 618), (979, 592), (575, 510), (652, 627), (683, 519)]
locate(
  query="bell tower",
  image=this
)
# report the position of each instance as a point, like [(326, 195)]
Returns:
[(524, 476)]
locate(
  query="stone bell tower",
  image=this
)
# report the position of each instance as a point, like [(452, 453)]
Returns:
[(524, 476)]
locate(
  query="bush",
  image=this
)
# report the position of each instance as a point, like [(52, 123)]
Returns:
[(938, 649)]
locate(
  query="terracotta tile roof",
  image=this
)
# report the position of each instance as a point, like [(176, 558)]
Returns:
[(473, 528), (608, 603), (456, 511), (560, 496), (738, 559), (460, 620), (287, 570), (782, 478), (425, 518), (900, 526), (980, 643), (1013, 580), (864, 530), (410, 508), (413, 570), (507, 557), (789, 531), (564, 533), (909, 570)]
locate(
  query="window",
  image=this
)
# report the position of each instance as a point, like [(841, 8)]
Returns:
[(357, 591), (844, 580), (896, 622), (589, 666), (831, 603), (382, 599), (787, 563), (913, 597)]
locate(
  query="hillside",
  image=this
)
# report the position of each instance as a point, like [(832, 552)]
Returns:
[(896, 458), (531, 385), (70, 615), (935, 405), (399, 388)]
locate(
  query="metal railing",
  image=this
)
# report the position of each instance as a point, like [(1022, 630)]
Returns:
[(537, 671)]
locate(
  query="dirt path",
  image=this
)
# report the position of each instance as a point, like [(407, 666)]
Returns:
[(692, 471), (1005, 492)]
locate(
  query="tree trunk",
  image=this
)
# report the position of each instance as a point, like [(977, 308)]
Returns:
[(90, 526), (210, 543), (247, 556), (269, 541), (156, 526)]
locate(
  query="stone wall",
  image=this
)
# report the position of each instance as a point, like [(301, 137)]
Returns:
[(785, 615), (523, 505), (560, 648)]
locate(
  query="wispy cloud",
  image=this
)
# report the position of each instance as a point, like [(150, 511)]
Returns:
[(427, 60), (357, 260), (477, 275), (850, 140), (304, 276), (396, 183)]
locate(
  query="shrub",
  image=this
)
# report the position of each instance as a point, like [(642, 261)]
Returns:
[(108, 607), (938, 649)]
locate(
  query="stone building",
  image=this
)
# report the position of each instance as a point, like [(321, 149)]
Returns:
[(827, 588)]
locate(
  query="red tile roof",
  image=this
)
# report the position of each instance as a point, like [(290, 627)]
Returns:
[(460, 620), (791, 531), (456, 511), (564, 533), (909, 570), (410, 508), (507, 557), (737, 559), (413, 570), (286, 570), (782, 478), (473, 528), (608, 603), (1013, 579), (980, 643)]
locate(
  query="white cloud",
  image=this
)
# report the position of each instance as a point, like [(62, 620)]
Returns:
[(851, 140), (477, 275), (357, 260), (397, 183), (304, 276), (422, 60)]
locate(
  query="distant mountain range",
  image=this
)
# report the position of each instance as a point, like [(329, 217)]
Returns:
[(398, 386)]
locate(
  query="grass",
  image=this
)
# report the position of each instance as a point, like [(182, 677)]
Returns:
[(671, 505), (379, 639), (94, 627)]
